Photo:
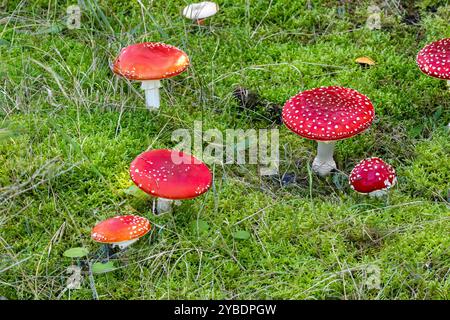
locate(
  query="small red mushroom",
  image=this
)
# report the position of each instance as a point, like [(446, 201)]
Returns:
[(121, 231), (170, 175), (150, 62), (434, 60), (372, 176), (328, 114)]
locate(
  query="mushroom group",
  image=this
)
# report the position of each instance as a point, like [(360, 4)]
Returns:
[(325, 115)]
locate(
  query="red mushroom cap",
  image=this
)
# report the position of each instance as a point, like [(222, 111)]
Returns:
[(328, 113), (121, 228), (372, 174), (150, 61), (161, 174), (434, 59)]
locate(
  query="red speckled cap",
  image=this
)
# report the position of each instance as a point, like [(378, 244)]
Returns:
[(150, 61), (120, 229), (434, 59), (328, 113), (372, 174), (161, 174)]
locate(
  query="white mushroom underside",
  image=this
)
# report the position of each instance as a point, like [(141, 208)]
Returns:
[(200, 10), (164, 205), (378, 193), (122, 245)]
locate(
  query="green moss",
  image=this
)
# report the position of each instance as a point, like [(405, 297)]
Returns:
[(73, 128)]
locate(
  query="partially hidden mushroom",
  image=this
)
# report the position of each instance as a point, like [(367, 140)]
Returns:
[(170, 175), (326, 115), (198, 12), (434, 60), (150, 62), (372, 176), (121, 231)]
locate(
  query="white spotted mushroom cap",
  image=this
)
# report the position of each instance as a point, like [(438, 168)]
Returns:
[(372, 175), (150, 61), (328, 113), (200, 10), (170, 174), (434, 59), (120, 228)]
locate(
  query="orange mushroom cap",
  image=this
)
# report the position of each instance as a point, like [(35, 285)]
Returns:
[(120, 228), (150, 61)]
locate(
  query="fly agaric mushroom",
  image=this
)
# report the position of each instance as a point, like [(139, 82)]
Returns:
[(198, 12), (170, 175), (327, 114), (121, 231), (150, 62), (434, 60), (372, 176)]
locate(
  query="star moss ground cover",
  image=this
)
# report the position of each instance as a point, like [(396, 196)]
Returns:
[(70, 129)]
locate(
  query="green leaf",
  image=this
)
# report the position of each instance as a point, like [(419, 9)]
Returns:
[(76, 252), (4, 42), (99, 267), (200, 226), (241, 235)]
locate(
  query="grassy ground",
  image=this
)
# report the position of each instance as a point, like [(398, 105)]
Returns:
[(70, 129)]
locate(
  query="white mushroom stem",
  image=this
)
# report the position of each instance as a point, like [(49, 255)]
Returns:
[(122, 245), (378, 193), (151, 88), (163, 205), (324, 163), (448, 86)]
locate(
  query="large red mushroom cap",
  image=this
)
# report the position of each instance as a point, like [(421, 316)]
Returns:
[(434, 59), (372, 175), (328, 113), (150, 61), (170, 174), (120, 229)]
